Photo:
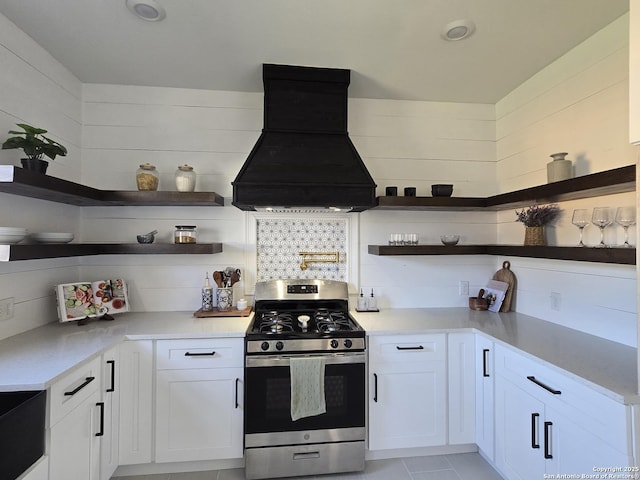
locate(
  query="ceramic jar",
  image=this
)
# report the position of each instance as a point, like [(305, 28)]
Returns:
[(185, 178), (560, 168), (147, 177)]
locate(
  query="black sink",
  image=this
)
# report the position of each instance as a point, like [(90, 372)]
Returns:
[(21, 431)]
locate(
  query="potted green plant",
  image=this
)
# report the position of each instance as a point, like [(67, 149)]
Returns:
[(535, 218), (35, 146)]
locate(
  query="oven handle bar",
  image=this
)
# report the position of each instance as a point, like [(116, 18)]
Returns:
[(283, 360)]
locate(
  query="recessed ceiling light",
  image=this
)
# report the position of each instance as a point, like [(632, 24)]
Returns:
[(457, 30), (148, 10)]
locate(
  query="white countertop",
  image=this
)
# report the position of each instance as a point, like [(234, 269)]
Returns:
[(607, 366), (35, 359)]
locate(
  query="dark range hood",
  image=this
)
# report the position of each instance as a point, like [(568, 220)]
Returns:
[(304, 157)]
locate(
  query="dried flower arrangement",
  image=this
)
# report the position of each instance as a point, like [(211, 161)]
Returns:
[(537, 215)]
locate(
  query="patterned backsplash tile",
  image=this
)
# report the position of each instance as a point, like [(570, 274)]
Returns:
[(279, 241)]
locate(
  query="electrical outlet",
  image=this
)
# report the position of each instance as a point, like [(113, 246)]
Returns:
[(463, 288), (555, 301), (6, 308)]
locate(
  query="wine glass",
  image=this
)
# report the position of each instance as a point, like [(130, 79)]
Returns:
[(625, 217), (602, 218), (581, 219)]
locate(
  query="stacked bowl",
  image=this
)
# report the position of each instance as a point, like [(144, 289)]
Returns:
[(10, 235)]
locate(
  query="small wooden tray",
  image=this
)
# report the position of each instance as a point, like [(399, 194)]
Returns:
[(234, 312)]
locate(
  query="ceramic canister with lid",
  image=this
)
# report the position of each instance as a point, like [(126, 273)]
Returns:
[(185, 178), (560, 168)]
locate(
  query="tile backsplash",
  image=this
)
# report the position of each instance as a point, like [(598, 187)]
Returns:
[(280, 241)]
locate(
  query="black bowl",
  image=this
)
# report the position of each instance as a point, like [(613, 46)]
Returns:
[(441, 190)]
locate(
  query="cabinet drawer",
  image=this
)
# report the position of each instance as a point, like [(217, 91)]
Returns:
[(575, 400), (407, 348), (72, 389), (199, 353)]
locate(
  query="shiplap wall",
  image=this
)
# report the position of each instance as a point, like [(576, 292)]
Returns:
[(579, 105), (36, 89), (113, 129), (214, 131)]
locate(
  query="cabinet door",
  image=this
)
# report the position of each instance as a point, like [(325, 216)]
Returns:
[(570, 448), (407, 391), (74, 451), (519, 432), (484, 370), (136, 401), (199, 414), (111, 413), (462, 402)]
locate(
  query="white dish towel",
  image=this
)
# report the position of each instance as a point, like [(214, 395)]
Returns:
[(307, 387)]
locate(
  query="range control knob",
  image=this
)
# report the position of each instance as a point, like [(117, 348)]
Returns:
[(334, 343), (279, 345), (348, 343), (264, 345)]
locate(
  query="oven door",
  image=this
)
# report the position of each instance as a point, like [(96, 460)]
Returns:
[(268, 402)]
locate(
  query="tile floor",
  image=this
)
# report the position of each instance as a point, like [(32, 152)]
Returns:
[(461, 466)]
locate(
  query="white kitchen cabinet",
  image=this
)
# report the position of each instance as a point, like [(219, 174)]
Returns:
[(484, 374), (461, 362), (547, 423), (199, 399), (634, 71), (110, 388), (136, 402), (407, 391), (74, 447)]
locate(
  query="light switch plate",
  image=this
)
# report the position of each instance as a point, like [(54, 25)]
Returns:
[(6, 308)]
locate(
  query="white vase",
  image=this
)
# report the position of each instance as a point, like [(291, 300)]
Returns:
[(559, 168)]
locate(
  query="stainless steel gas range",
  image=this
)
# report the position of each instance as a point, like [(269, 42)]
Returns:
[(304, 381)]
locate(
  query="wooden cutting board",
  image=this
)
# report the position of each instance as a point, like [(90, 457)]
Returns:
[(506, 275), (234, 312)]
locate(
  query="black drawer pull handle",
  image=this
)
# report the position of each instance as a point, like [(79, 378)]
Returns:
[(547, 440), (534, 435), (237, 381), (546, 387), (87, 381), (199, 354), (419, 347), (485, 361), (375, 387), (112, 388), (101, 432)]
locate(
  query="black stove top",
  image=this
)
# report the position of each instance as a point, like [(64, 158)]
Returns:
[(304, 322), (302, 316)]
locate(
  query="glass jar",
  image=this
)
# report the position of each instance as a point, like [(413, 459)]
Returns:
[(185, 178), (147, 177), (185, 234)]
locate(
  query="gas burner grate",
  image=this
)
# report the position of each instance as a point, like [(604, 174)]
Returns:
[(328, 321), (276, 322)]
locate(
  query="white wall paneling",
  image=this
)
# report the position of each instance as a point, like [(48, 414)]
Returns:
[(578, 104)]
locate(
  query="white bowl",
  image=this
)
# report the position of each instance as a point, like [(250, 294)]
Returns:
[(8, 238), (450, 240), (13, 231), (51, 237)]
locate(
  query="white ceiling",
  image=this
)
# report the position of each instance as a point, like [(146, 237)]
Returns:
[(393, 47)]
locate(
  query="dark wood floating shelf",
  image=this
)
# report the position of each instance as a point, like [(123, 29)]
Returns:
[(38, 251), (624, 256), (617, 180), (26, 183)]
